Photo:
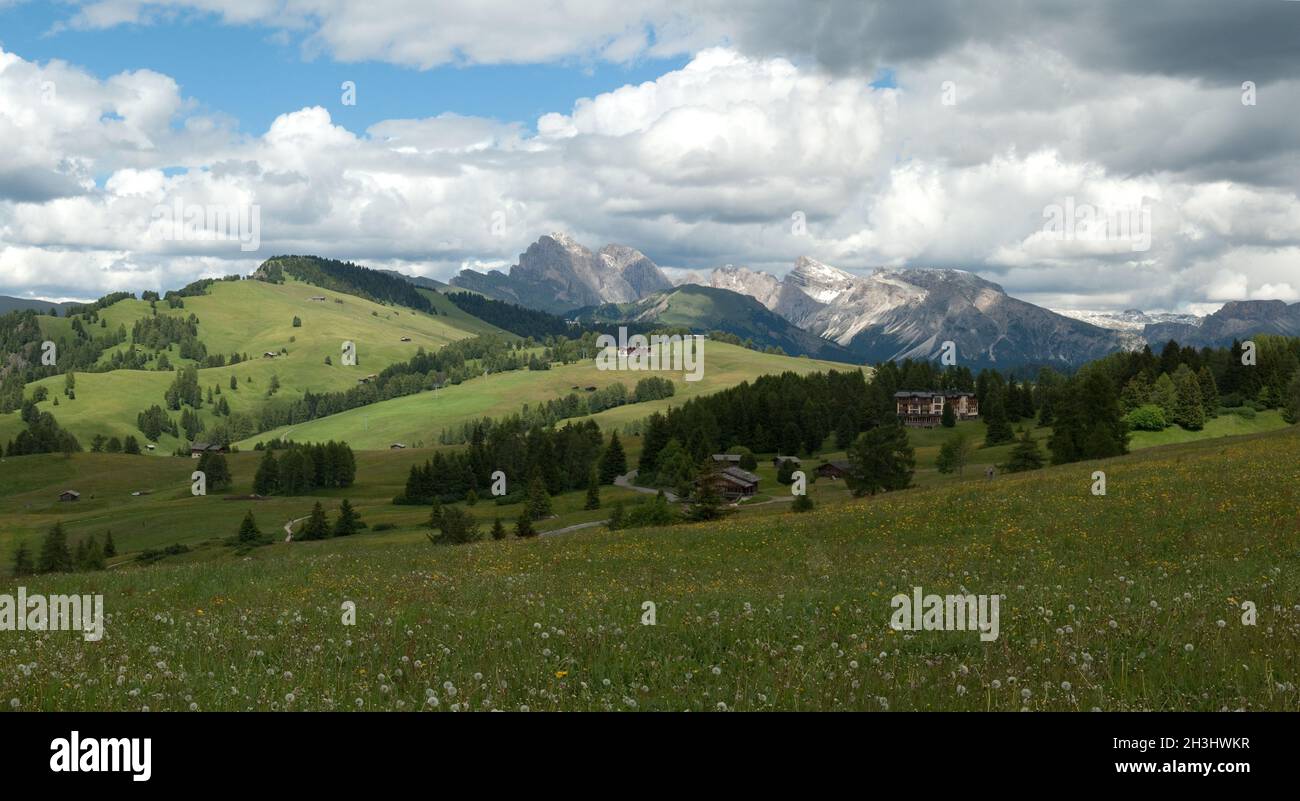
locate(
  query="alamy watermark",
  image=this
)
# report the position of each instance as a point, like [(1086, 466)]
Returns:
[(192, 222), (36, 612), (945, 613), (657, 352), (1084, 222)]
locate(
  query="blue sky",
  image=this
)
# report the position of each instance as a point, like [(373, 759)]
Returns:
[(254, 74)]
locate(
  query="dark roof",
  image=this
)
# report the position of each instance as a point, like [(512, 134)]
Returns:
[(838, 464), (925, 393), (726, 457), (779, 458), (71, 492), (742, 475)]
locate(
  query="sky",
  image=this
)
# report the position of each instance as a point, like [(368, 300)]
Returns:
[(1104, 155)]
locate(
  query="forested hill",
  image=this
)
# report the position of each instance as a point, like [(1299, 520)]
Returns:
[(343, 276)]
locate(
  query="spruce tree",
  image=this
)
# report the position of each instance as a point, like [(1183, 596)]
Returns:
[(949, 418), (267, 480), (539, 500), (1025, 455), (802, 503), (994, 412), (94, 555), (110, 549), (248, 530), (524, 526), (1209, 392), (613, 462), (55, 556), (23, 560), (498, 530), (1189, 414), (349, 522)]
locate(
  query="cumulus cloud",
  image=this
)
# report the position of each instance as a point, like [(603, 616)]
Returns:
[(774, 146)]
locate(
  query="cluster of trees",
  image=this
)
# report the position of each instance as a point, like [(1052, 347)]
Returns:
[(56, 557), (509, 317), (42, 435), (154, 422), (789, 413), (304, 468), (102, 444), (554, 459), (318, 526)]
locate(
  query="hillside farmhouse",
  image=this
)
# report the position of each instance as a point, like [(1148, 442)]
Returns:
[(732, 483)]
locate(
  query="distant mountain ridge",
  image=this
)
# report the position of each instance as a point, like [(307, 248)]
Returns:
[(704, 309), (556, 274), (890, 313)]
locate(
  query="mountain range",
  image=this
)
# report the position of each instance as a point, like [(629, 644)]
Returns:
[(820, 310)]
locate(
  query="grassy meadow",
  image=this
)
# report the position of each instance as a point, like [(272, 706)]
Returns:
[(1128, 601), (417, 419), (250, 317)]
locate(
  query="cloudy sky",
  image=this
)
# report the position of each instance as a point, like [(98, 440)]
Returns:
[(429, 136)]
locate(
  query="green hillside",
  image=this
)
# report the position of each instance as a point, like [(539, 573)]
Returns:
[(251, 317), (417, 419), (1106, 605)]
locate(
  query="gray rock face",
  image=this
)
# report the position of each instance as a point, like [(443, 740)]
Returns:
[(557, 274), (910, 313), (1238, 319)]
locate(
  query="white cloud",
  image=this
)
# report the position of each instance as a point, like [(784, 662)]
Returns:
[(701, 167)]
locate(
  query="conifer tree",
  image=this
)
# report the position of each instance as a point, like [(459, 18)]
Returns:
[(317, 526), (55, 556), (23, 560), (613, 462), (248, 530), (1025, 455), (349, 522), (498, 530), (267, 480)]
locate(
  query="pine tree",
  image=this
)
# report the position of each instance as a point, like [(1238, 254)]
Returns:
[(539, 500), (802, 503), (471, 498), (593, 492), (435, 514), (94, 555), (1025, 455), (949, 418), (1165, 395), (613, 462), (110, 549), (524, 526), (994, 411), (349, 521), (23, 560), (1209, 392), (498, 530), (248, 530), (55, 556), (1291, 400), (317, 524), (1189, 414), (267, 480)]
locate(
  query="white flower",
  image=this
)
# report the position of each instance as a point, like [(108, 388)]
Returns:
[(1188, 647), (1065, 685), (288, 698)]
